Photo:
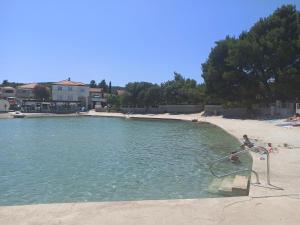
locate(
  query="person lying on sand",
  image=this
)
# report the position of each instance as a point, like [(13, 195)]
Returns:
[(296, 117)]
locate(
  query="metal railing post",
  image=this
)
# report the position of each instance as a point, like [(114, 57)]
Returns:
[(268, 168), (260, 149), (257, 177)]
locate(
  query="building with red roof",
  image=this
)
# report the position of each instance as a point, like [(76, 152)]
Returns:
[(68, 90)]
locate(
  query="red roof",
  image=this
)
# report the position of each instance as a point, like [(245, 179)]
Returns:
[(121, 92), (96, 90), (69, 83)]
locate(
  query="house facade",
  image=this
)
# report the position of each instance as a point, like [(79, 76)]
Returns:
[(70, 91), (37, 106), (25, 91), (7, 92), (96, 97)]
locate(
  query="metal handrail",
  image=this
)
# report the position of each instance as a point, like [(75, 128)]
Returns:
[(259, 148), (234, 172)]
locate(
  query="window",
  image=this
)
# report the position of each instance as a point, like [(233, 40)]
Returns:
[(70, 89), (59, 88), (82, 90), (70, 98)]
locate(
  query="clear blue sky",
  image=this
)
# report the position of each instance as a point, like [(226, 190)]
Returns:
[(119, 40)]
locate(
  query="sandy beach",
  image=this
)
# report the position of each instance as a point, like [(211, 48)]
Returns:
[(264, 205)]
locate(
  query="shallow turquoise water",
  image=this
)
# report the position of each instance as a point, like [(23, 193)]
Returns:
[(45, 160)]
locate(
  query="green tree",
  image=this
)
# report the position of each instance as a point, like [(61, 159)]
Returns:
[(126, 99), (41, 92), (103, 85), (93, 84), (181, 91), (152, 96), (109, 87), (10, 84), (261, 65), (176, 91), (114, 100), (225, 76), (5, 83), (137, 93)]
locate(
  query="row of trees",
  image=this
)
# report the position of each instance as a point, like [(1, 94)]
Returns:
[(260, 66), (176, 91), (6, 83), (144, 94), (102, 84)]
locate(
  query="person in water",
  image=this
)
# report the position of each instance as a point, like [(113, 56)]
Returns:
[(234, 158)]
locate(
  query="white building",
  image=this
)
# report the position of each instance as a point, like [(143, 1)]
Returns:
[(25, 91), (97, 97), (67, 90), (7, 92)]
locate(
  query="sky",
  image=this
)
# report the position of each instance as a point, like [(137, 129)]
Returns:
[(118, 40)]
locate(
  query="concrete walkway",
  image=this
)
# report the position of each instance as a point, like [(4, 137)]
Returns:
[(240, 210), (264, 205)]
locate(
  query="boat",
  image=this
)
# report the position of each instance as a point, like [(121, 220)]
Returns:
[(18, 115)]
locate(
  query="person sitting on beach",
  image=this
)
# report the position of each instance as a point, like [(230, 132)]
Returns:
[(296, 117), (247, 142), (234, 158), (270, 148)]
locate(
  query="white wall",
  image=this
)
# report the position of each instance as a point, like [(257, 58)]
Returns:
[(69, 93), (24, 93), (7, 92)]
